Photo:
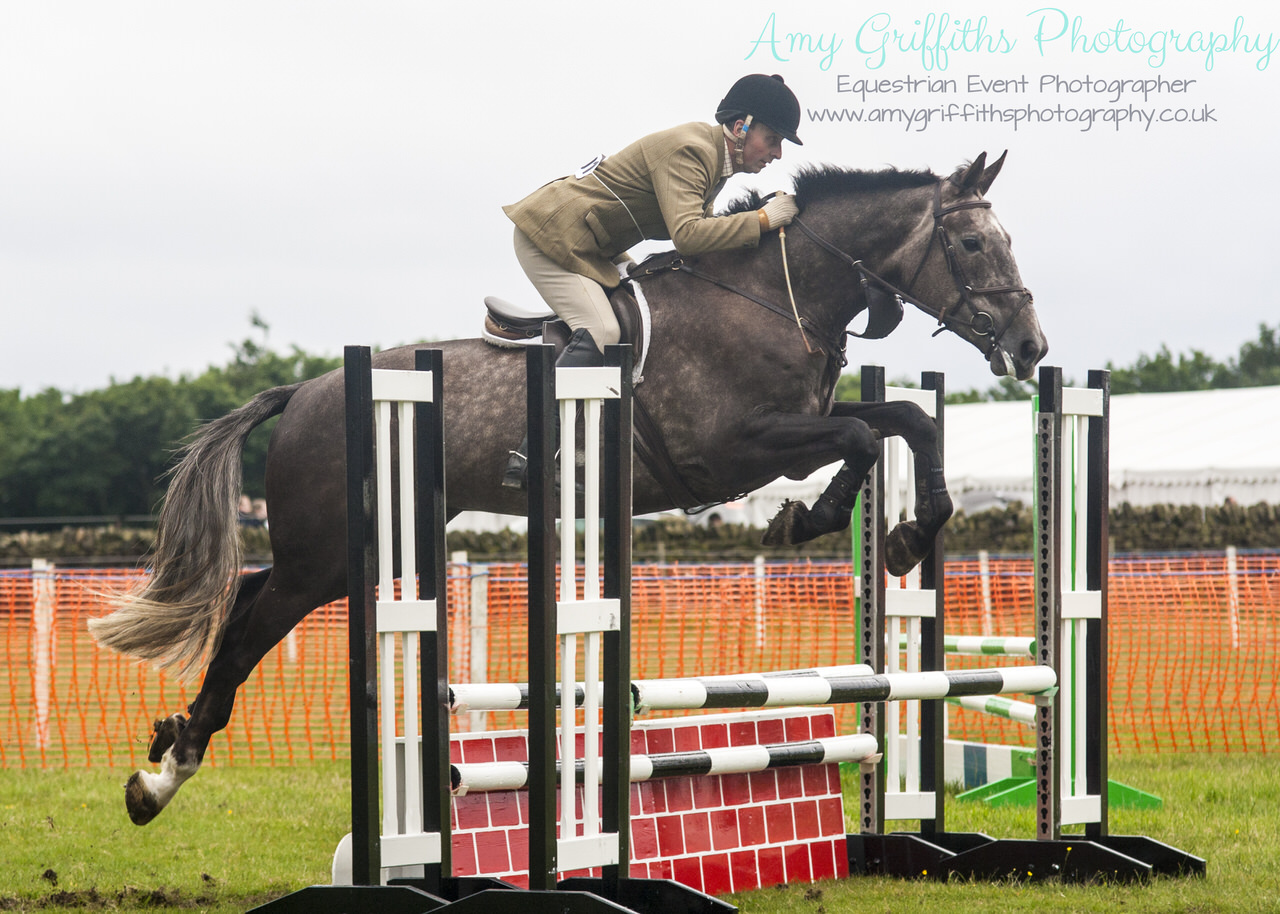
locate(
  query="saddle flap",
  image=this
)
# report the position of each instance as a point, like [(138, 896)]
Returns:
[(630, 322)]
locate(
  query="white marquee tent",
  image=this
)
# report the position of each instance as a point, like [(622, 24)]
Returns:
[(1198, 448), (1187, 448)]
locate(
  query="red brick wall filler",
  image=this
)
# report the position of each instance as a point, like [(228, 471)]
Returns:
[(714, 833)]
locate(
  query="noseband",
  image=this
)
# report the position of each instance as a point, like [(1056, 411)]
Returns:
[(979, 322)]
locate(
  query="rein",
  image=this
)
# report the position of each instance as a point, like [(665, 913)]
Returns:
[(786, 272), (828, 344)]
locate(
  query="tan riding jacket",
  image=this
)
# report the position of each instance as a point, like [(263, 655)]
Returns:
[(668, 182)]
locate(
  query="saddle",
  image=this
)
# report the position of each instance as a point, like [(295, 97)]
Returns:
[(509, 325)]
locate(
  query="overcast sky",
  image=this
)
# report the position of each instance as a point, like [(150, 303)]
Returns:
[(168, 169)]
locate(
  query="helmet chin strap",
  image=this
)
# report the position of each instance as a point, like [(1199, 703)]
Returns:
[(739, 140)]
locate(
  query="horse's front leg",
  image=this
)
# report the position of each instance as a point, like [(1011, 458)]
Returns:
[(909, 542), (796, 444), (796, 522)]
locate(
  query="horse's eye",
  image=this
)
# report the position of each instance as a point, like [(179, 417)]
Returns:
[(972, 245)]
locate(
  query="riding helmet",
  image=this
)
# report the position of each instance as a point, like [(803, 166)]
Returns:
[(767, 99)]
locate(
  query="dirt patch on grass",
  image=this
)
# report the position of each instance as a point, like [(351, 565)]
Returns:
[(129, 899)]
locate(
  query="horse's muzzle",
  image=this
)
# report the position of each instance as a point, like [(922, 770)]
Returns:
[(1018, 358)]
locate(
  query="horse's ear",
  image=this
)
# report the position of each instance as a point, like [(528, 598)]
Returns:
[(973, 174), (989, 174)]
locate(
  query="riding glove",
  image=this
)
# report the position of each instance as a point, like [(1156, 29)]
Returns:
[(779, 211)]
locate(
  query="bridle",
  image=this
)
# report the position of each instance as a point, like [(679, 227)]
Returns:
[(979, 322)]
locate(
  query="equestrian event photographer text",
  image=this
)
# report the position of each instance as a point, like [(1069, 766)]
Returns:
[(1050, 99), (933, 40)]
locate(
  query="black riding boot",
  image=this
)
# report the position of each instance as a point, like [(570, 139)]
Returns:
[(579, 352)]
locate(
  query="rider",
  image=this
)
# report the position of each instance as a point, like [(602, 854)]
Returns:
[(571, 234)]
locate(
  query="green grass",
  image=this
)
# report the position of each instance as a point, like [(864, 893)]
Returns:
[(234, 837), (238, 836)]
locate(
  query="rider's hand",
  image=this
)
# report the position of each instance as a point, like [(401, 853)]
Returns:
[(623, 264), (779, 211)]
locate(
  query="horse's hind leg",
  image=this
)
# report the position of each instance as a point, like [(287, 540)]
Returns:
[(166, 730), (262, 615)]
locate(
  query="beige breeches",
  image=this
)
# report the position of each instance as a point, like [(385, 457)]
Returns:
[(580, 301)]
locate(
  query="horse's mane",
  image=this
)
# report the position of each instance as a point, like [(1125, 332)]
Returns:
[(815, 182)]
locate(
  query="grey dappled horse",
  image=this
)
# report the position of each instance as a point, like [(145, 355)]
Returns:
[(740, 395)]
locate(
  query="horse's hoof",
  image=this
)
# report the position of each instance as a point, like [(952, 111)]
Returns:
[(902, 551), (147, 793), (140, 802), (166, 734), (788, 526)]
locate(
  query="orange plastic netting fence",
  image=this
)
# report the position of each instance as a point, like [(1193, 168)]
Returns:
[(1194, 652)]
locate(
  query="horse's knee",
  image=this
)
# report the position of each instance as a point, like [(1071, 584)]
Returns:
[(914, 425), (860, 446), (868, 441)]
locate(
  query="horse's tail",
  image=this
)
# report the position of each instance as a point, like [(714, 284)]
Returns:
[(176, 618)]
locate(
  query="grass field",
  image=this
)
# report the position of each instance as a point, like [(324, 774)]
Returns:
[(238, 836)]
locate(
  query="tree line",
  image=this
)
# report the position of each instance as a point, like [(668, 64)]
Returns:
[(105, 452)]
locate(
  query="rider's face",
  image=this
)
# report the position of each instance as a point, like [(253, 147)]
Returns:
[(762, 147)]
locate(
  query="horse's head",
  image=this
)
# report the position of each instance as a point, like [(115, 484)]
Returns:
[(934, 242), (967, 277)]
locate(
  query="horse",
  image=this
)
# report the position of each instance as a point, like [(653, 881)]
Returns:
[(738, 394)]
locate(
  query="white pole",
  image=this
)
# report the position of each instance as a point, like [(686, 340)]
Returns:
[(411, 718), (759, 607), (568, 592), (591, 640), (479, 661), (386, 640), (1233, 598), (984, 575), (42, 634)]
